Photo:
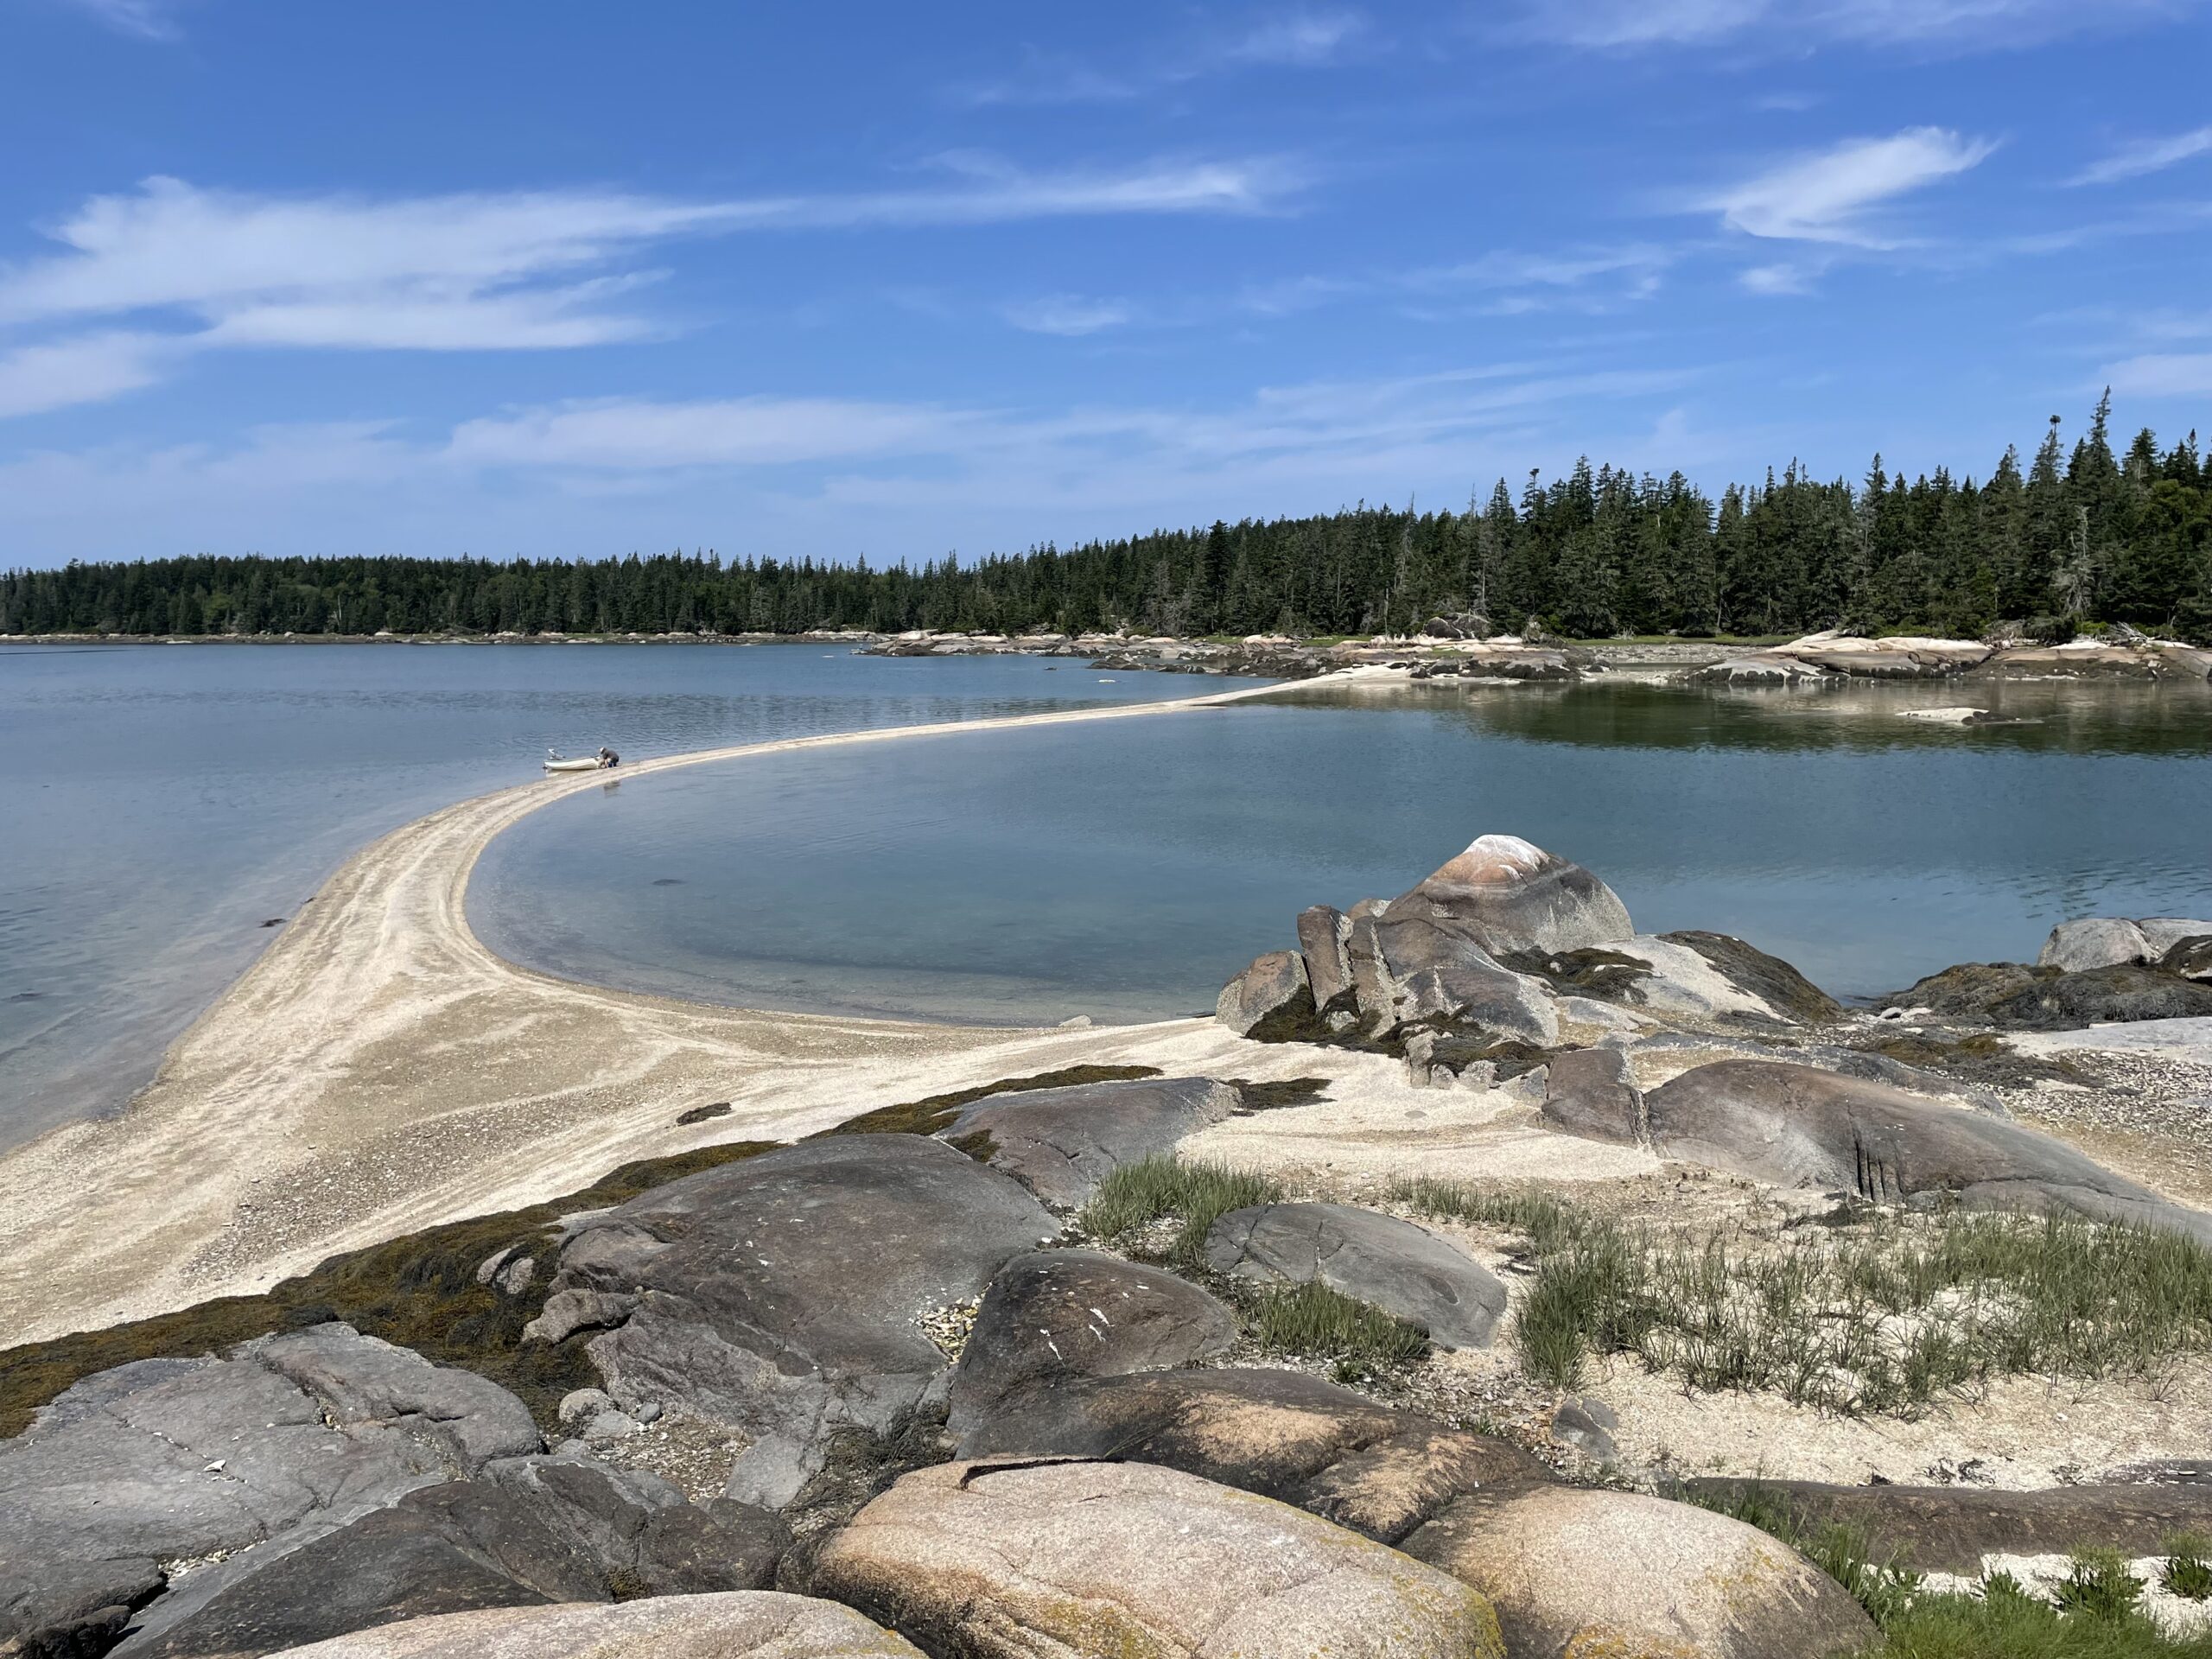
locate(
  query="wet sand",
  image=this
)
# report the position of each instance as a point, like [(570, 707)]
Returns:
[(378, 1070)]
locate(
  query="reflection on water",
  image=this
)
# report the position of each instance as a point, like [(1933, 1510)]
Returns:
[(1123, 871), (2097, 717), (163, 801)]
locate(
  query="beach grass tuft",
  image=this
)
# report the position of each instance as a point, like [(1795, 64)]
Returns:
[(1136, 1196), (1884, 1312), (1313, 1321)]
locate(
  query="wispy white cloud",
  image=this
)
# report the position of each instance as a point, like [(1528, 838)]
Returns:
[(625, 435), (1827, 197), (1641, 23), (1294, 39), (2148, 155), (144, 20), (1300, 39), (2177, 374), (88, 369), (1069, 315), (1505, 281), (1794, 24), (196, 270), (1777, 280), (825, 475)]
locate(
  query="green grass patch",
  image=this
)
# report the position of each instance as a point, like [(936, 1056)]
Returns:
[(420, 1292), (1315, 1322), (2188, 1569), (1882, 1313), (934, 1112), (1132, 1199), (2005, 1623), (2095, 1613)]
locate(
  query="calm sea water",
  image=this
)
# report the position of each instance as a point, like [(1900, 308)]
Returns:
[(1125, 871), (162, 802)]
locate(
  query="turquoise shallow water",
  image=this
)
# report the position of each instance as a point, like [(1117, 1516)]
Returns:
[(1123, 871), (162, 802)]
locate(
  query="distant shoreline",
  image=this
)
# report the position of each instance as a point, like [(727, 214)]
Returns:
[(1831, 657)]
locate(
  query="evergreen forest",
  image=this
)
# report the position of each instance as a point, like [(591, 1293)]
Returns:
[(2083, 536)]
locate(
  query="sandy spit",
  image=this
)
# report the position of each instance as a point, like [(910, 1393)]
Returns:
[(378, 1070)]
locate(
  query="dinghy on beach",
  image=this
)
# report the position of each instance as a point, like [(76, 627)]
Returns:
[(556, 762)]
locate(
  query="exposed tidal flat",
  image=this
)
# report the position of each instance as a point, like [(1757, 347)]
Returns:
[(163, 804)]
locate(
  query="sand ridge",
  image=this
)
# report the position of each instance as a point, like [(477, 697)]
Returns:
[(379, 1069)]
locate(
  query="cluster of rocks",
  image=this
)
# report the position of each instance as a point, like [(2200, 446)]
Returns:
[(1263, 655), (1087, 1477), (1510, 965), (2096, 968), (1832, 655), (1465, 647), (945, 1426)]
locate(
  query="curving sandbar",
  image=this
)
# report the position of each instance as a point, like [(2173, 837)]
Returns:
[(379, 1069)]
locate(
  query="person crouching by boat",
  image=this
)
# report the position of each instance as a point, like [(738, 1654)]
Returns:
[(607, 757)]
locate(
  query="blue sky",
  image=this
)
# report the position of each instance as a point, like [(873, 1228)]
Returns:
[(574, 279)]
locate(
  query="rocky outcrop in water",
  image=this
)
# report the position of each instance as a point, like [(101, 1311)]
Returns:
[(1498, 946)]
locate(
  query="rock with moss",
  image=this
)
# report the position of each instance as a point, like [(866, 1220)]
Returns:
[(2190, 958), (2013, 996), (1395, 1265), (1574, 1571), (2162, 933), (1053, 1316), (783, 1296), (758, 1625), (1061, 1143), (1698, 980), (1434, 976), (1107, 1560), (1375, 1469), (1798, 1126), (1271, 1002)]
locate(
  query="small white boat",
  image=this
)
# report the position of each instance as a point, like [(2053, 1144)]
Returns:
[(556, 762)]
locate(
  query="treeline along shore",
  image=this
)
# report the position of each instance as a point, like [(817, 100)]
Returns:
[(2080, 536)]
